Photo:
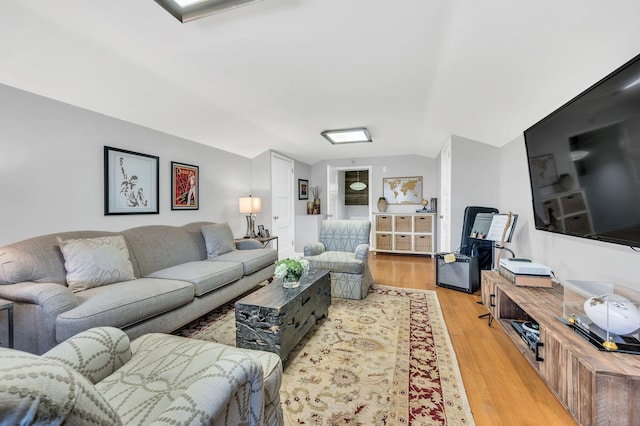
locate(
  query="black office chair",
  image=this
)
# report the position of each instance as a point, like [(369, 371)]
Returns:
[(469, 246)]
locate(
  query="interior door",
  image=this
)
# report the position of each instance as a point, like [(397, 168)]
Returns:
[(282, 192), (333, 192), (445, 198)]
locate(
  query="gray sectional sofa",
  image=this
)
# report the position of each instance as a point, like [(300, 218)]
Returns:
[(177, 275)]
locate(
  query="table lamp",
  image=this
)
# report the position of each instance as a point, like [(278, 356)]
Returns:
[(250, 206)]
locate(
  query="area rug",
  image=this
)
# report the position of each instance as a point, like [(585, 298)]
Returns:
[(384, 360)]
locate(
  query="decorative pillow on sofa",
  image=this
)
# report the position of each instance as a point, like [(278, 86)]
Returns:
[(93, 262), (218, 238)]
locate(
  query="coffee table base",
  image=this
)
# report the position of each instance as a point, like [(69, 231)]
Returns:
[(275, 319)]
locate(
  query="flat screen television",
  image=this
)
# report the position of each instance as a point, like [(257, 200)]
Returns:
[(584, 162)]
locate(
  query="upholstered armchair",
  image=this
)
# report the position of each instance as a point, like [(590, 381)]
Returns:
[(343, 249), (99, 377)]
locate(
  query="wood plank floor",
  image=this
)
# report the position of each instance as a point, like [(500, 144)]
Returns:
[(503, 389)]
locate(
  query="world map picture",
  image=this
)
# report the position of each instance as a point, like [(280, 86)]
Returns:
[(402, 190)]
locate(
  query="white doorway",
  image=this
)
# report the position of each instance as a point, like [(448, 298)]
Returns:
[(282, 209), (336, 208), (445, 198)]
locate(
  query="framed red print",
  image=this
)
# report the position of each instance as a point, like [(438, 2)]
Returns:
[(184, 186)]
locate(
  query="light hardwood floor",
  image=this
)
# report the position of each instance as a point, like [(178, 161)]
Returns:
[(503, 389)]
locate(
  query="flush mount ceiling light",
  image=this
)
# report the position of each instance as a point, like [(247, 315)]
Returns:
[(355, 135), (189, 10)]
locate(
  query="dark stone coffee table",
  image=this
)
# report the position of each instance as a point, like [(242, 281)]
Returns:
[(275, 319)]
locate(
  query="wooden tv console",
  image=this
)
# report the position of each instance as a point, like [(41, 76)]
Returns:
[(597, 387)]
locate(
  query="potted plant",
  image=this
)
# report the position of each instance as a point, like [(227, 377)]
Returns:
[(290, 270)]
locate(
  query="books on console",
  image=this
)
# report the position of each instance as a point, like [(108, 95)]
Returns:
[(525, 273)]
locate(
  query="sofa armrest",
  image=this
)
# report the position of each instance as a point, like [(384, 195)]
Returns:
[(248, 244), (230, 392), (51, 297), (362, 250), (314, 249), (95, 353)]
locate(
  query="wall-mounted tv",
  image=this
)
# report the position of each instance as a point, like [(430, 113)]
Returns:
[(584, 162)]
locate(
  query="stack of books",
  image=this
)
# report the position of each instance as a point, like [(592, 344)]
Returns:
[(524, 273)]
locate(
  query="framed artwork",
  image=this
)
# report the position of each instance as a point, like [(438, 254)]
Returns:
[(131, 182), (543, 170), (402, 190), (184, 186), (303, 189), (261, 231)]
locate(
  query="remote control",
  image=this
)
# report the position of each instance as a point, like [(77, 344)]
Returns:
[(518, 259)]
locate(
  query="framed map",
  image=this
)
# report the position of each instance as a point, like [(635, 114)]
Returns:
[(402, 190), (543, 170)]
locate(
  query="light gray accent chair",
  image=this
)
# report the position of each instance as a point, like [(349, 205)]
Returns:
[(99, 377), (343, 249)]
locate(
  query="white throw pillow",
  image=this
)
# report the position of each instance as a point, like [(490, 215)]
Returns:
[(93, 262), (218, 238)]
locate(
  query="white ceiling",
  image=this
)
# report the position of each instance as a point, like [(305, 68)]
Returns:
[(273, 75)]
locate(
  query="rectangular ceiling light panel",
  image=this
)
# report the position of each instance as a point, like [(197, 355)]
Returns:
[(189, 10), (356, 135)]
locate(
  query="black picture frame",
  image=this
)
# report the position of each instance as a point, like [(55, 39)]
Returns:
[(303, 189), (261, 231), (131, 182), (185, 186)]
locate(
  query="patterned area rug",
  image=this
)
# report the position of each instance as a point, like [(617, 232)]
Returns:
[(385, 360)]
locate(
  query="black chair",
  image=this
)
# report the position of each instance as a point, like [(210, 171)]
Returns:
[(469, 246)]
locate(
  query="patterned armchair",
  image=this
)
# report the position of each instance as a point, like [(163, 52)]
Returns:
[(97, 377), (343, 249)]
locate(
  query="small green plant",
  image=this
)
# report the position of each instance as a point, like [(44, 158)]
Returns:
[(291, 268)]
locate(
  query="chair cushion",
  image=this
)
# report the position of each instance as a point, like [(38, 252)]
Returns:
[(37, 390), (164, 366), (337, 261), (93, 262), (204, 275), (344, 235), (252, 260), (123, 304), (218, 238)]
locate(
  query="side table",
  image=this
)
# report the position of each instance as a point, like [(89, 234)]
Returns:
[(6, 305), (264, 240)]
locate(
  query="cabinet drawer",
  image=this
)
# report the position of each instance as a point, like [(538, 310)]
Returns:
[(551, 208), (578, 223), (403, 242), (422, 243), (383, 223), (383, 242), (422, 224), (403, 224), (572, 203)]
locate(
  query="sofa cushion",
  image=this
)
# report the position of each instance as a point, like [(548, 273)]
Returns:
[(336, 261), (204, 275), (218, 238), (252, 260), (92, 262), (36, 390), (123, 304)]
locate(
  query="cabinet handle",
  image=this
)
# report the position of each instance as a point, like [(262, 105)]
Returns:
[(538, 346), (492, 300)]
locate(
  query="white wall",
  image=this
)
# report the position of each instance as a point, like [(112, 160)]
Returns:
[(571, 258), (396, 166), (475, 180), (51, 170)]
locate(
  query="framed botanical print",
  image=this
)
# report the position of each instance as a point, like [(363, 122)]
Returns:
[(184, 186), (131, 182)]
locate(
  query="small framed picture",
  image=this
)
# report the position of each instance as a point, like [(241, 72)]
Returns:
[(261, 231), (184, 187), (266, 233), (131, 182), (303, 189)]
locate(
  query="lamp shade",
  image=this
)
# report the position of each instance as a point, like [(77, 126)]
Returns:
[(250, 205)]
